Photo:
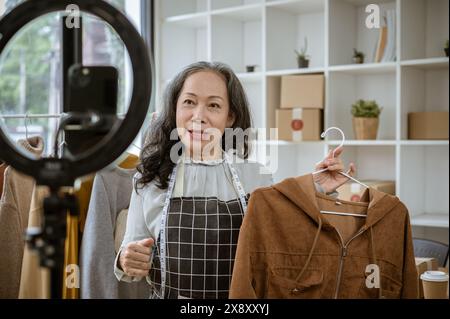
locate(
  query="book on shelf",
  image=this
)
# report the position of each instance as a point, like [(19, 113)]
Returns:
[(381, 46), (391, 45)]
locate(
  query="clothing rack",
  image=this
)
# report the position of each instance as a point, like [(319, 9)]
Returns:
[(31, 116), (40, 116)]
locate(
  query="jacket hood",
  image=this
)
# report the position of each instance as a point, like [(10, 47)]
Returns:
[(307, 260), (301, 191)]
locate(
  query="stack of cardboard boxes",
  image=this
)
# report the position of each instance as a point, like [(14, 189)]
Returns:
[(300, 117)]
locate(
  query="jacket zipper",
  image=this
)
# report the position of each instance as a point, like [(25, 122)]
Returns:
[(341, 261)]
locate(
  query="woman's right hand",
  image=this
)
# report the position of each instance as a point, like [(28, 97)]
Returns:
[(134, 259)]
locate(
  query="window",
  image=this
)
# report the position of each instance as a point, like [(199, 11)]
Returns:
[(30, 70)]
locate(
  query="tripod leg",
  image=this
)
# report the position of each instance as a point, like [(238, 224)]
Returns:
[(55, 213)]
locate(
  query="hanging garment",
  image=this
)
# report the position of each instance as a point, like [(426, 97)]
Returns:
[(111, 194), (71, 279), (288, 249), (14, 208), (34, 280), (71, 276), (2, 175), (83, 194), (201, 228), (119, 230), (34, 283)]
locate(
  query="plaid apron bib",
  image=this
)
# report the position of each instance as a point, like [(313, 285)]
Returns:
[(201, 236)]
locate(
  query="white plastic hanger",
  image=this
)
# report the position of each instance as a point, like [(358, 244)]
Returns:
[(63, 144), (324, 134), (26, 126)]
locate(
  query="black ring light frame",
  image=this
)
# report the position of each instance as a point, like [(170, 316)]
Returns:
[(63, 172)]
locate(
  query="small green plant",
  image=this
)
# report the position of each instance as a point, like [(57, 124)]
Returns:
[(366, 109), (446, 44), (358, 54), (302, 53)]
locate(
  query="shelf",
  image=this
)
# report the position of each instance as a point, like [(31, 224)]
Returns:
[(286, 31), (366, 2), (345, 89), (298, 7), (424, 183), (424, 28), (195, 20), (288, 143), (427, 64), (368, 143), (424, 143), (250, 77), (242, 13), (348, 31), (424, 88), (295, 71), (183, 40), (267, 32), (173, 8), (236, 37), (364, 143), (233, 4), (430, 220), (369, 68)]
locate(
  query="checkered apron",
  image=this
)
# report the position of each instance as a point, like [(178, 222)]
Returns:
[(201, 236)]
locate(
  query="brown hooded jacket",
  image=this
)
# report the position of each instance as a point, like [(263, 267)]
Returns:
[(287, 248)]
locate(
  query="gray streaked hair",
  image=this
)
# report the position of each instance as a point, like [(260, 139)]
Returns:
[(155, 156)]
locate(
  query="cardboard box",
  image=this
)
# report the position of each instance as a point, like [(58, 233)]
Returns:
[(353, 191), (422, 265), (302, 91), (299, 124), (428, 126)]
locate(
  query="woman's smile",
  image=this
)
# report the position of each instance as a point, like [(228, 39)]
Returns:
[(198, 135)]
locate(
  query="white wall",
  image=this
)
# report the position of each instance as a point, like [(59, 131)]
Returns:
[(2, 7)]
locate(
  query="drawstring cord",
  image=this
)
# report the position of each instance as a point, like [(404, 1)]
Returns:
[(316, 239)]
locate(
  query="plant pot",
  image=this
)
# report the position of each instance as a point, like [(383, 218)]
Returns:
[(302, 63), (358, 60), (365, 128), (250, 68), (446, 52)]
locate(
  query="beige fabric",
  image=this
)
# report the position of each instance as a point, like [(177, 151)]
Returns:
[(2, 175), (14, 209), (346, 226), (34, 281), (119, 231)]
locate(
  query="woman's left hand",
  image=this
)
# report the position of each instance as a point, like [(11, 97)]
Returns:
[(330, 180)]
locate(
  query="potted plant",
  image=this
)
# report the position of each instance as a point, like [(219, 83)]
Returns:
[(250, 68), (366, 119), (358, 57), (302, 57), (446, 49)]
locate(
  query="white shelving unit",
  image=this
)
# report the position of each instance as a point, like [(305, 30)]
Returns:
[(266, 33)]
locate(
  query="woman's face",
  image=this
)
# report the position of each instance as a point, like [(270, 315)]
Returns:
[(203, 112)]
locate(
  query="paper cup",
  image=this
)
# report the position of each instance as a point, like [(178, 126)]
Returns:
[(435, 284)]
